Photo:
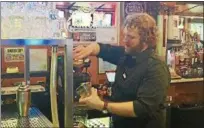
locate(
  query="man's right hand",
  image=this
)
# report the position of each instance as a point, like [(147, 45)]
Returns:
[(81, 52)]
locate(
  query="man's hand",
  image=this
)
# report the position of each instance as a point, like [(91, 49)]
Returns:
[(93, 101), (81, 52), (122, 109)]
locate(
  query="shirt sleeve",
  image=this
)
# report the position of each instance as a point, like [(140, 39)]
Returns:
[(153, 90), (111, 53)]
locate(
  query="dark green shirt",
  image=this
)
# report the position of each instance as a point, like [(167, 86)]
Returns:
[(143, 79)]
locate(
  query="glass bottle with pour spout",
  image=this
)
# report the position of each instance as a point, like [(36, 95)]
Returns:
[(23, 99), (84, 90), (80, 114)]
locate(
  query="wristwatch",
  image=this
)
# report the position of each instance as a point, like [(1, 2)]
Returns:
[(105, 107)]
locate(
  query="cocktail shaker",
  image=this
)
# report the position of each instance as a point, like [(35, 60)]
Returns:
[(23, 99)]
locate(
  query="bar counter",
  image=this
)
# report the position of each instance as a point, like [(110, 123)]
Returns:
[(183, 80), (10, 118)]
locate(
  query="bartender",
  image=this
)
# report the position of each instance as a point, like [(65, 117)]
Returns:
[(142, 79)]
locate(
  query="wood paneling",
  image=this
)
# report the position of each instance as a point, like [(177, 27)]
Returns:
[(187, 93)]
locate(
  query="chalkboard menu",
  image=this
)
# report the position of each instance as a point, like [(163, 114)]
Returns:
[(133, 7), (152, 8)]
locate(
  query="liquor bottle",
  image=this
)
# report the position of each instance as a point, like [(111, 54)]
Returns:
[(181, 64), (177, 57), (200, 67), (194, 67), (177, 66), (173, 58)]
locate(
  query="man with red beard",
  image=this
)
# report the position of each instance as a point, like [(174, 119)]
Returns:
[(141, 82)]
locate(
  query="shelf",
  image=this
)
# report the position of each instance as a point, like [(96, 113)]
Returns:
[(21, 75), (12, 90), (82, 29), (173, 41), (173, 45), (85, 43), (184, 80)]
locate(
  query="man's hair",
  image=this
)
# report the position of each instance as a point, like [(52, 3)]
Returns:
[(146, 26)]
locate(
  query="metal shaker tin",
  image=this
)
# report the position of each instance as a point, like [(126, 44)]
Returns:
[(23, 99)]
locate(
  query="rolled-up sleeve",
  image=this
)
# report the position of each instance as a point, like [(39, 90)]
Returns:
[(153, 90), (111, 53)]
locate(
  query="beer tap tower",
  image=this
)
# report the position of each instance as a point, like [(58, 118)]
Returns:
[(68, 71)]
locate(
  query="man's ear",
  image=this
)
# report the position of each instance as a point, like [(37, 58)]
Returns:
[(143, 36)]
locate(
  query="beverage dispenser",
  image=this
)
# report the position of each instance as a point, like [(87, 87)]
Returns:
[(25, 115)]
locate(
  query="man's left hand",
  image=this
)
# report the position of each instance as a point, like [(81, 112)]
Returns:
[(93, 101)]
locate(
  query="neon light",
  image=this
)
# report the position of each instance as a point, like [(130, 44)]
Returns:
[(22, 42), (34, 42)]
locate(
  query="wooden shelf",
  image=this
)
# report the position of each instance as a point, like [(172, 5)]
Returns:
[(184, 80), (12, 90)]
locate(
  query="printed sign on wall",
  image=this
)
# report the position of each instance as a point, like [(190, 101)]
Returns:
[(14, 54), (31, 20)]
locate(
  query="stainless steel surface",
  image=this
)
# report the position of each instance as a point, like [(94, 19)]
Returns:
[(53, 86), (27, 65), (23, 100), (11, 119), (68, 87), (99, 123)]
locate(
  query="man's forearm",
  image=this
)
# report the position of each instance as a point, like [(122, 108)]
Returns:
[(96, 49), (125, 109), (111, 53)]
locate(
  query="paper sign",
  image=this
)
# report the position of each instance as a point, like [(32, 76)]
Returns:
[(38, 59), (106, 35), (105, 66), (14, 54)]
